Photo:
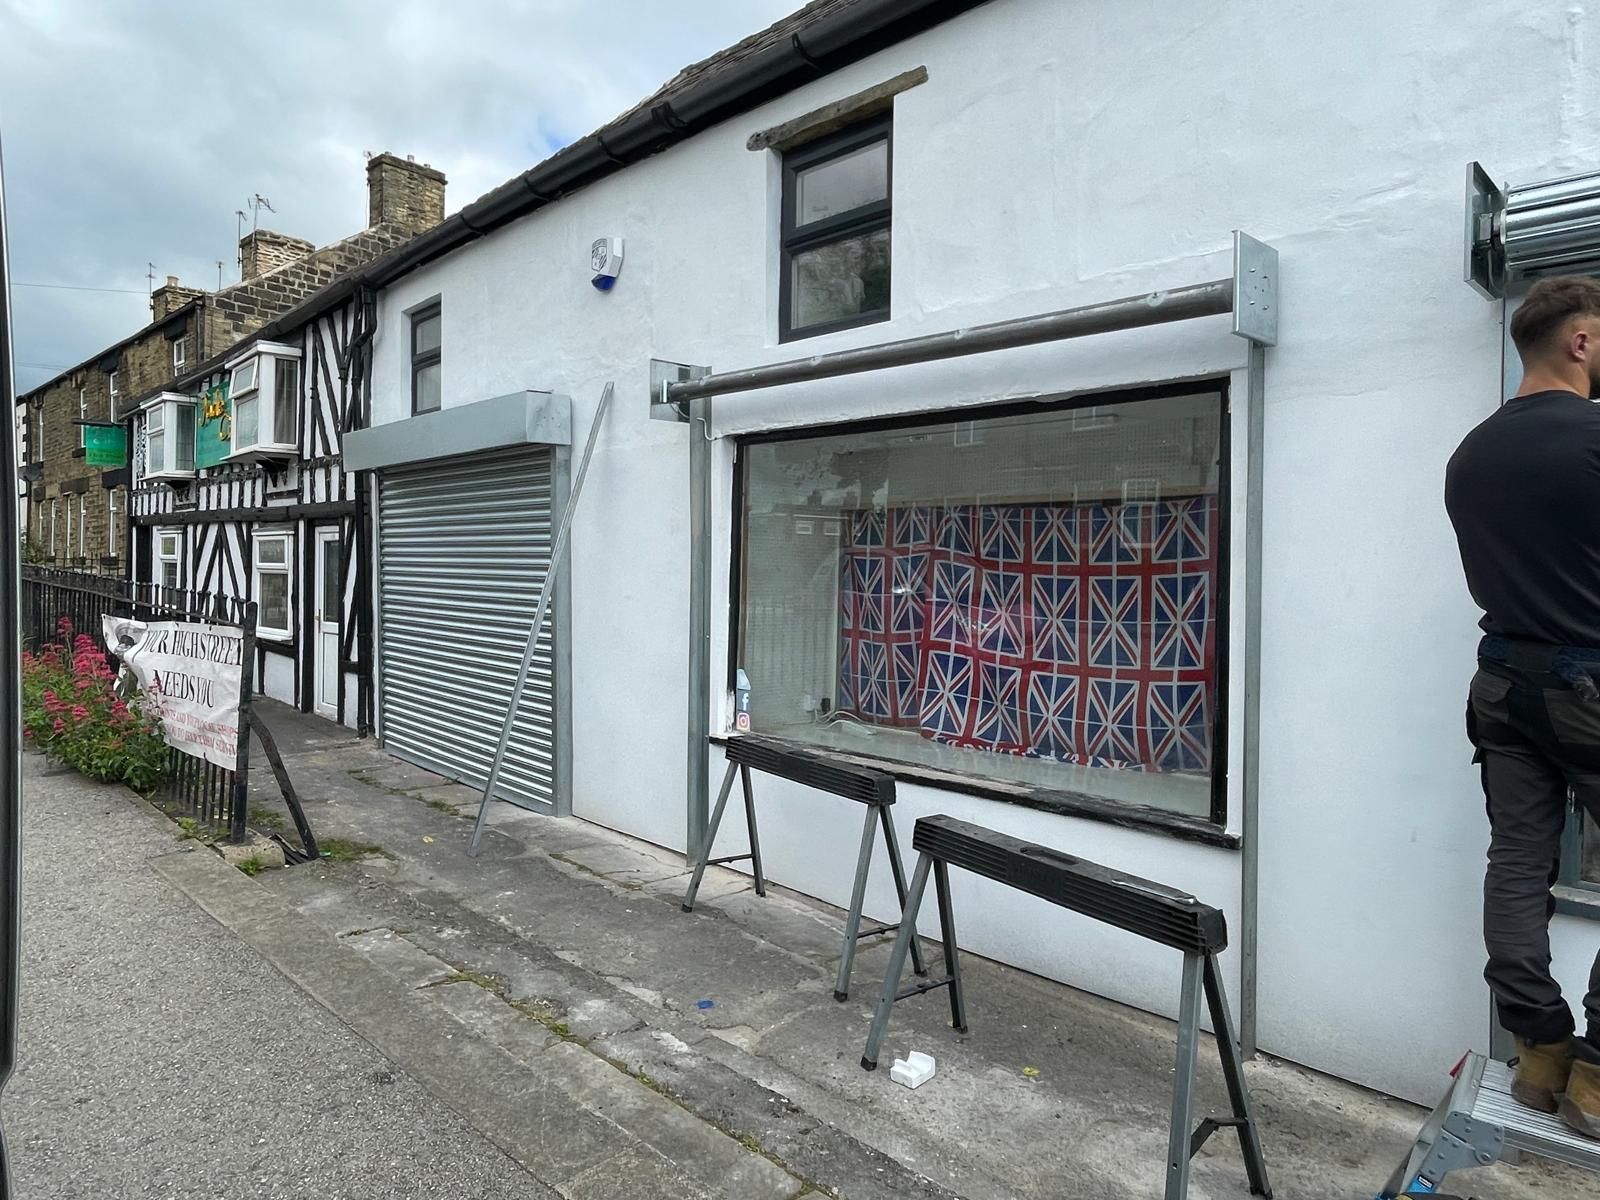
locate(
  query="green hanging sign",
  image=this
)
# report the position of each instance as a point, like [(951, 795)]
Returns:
[(213, 431), (105, 446)]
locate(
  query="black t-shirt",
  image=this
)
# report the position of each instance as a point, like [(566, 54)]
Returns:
[(1523, 492)]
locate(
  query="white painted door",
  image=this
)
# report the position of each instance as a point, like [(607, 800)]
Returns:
[(326, 641)]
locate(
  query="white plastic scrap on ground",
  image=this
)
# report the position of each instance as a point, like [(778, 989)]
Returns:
[(914, 1070)]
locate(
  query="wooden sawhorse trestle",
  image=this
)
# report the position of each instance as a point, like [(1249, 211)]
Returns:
[(871, 788)]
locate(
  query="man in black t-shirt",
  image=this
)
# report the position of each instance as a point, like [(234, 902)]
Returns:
[(1523, 492)]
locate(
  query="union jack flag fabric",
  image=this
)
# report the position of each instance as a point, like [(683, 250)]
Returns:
[(1084, 633)]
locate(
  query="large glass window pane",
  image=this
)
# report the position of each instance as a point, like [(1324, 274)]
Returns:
[(425, 332), (428, 388), (274, 600), (331, 607), (841, 184), (243, 378), (272, 550), (840, 280), (286, 401), (156, 451), (1029, 598), (183, 418), (246, 421)]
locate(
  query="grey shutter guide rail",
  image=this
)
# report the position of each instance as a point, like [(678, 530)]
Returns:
[(535, 631), (463, 549)]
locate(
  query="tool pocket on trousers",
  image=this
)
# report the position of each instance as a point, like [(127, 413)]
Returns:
[(1488, 706), (1576, 724)]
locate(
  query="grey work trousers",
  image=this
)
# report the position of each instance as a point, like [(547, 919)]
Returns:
[(1536, 737)]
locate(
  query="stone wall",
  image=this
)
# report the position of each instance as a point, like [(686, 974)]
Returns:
[(404, 198), (262, 250), (403, 193)]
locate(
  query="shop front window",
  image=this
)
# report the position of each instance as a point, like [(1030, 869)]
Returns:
[(1031, 598)]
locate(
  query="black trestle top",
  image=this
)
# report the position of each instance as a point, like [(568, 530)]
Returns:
[(1151, 910), (814, 770)]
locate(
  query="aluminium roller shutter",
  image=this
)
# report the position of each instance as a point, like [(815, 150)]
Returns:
[(463, 545)]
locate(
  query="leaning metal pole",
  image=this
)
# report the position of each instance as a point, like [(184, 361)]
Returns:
[(557, 548)]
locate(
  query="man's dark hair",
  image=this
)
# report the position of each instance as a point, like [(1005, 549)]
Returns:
[(1549, 305)]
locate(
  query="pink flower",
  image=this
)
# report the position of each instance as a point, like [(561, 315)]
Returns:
[(118, 708), (60, 725), (79, 711), (64, 625)]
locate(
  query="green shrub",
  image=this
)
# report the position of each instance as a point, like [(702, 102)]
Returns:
[(71, 711)]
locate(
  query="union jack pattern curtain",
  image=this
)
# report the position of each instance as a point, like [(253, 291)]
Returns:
[(1083, 633)]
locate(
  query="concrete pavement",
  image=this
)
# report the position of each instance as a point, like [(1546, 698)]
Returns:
[(161, 1057), (552, 1024)]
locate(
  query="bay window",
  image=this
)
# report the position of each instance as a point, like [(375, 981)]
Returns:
[(264, 391), (270, 585), (1028, 598), (169, 425)]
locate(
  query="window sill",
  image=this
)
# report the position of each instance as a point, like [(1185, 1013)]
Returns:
[(1578, 901), (262, 453), (876, 317), (1067, 804)]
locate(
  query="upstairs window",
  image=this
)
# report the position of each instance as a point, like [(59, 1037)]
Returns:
[(835, 231), (264, 389), (426, 352), (169, 422), (111, 390), (83, 415), (180, 354)]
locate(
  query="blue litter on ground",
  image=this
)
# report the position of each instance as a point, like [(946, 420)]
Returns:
[(705, 1003)]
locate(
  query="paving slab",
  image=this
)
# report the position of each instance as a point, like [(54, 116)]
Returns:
[(1053, 1092)]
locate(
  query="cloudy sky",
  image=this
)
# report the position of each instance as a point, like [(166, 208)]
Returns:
[(133, 131)]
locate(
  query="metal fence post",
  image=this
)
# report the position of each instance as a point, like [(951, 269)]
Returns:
[(241, 768)]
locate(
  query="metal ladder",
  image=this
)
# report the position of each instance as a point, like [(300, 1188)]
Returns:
[(1476, 1124)]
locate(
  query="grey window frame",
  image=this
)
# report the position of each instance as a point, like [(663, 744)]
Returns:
[(868, 218), (426, 358), (1212, 829), (1571, 878)]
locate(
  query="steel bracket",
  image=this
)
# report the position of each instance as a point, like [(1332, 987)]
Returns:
[(662, 375), (1485, 261), (1462, 1143), (1255, 290)]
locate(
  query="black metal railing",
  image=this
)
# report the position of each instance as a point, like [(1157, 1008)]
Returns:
[(58, 605)]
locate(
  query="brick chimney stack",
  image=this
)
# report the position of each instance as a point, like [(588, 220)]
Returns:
[(403, 194), (171, 297), (261, 251)]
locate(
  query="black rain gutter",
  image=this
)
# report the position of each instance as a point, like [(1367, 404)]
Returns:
[(804, 55)]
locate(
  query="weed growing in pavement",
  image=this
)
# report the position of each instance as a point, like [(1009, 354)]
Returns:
[(343, 850)]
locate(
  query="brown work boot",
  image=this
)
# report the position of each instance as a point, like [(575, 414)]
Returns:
[(1543, 1069), (1581, 1107)]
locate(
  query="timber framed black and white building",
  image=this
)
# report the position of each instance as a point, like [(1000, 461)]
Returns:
[(239, 489)]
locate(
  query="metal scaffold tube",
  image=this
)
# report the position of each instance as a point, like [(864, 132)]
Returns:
[(1132, 312)]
